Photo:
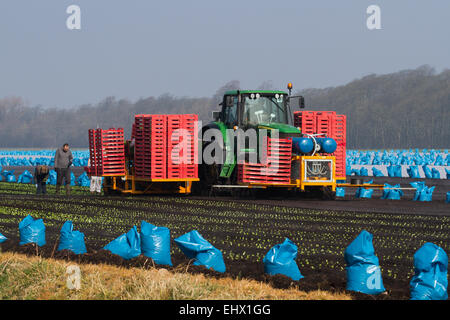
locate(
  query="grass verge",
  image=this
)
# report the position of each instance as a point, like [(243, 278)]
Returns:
[(25, 277)]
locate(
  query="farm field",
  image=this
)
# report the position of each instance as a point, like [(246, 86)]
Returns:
[(244, 230)]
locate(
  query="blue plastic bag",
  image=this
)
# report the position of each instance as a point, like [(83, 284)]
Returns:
[(426, 194), (447, 171), (419, 185), (394, 171), (128, 245), (377, 173), (155, 243), (340, 192), (25, 177), (2, 238), (363, 269), (362, 192), (71, 240), (398, 171), (363, 172), (430, 274), (9, 176), (435, 174), (72, 179), (52, 176), (448, 197), (413, 172), (389, 192), (427, 172), (194, 246), (83, 180), (281, 260), (32, 231)]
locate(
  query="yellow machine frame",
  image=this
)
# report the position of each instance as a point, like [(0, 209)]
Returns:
[(127, 184), (299, 183)]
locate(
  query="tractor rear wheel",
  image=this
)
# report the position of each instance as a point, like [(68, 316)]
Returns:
[(208, 174)]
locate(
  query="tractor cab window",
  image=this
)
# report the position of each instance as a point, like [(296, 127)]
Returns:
[(260, 109), (230, 110)]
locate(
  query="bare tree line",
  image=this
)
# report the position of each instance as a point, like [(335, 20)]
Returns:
[(407, 109)]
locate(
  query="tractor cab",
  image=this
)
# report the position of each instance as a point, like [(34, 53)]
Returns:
[(257, 109)]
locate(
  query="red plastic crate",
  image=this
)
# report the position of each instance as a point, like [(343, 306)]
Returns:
[(106, 152), (275, 167), (182, 146), (306, 121), (153, 146)]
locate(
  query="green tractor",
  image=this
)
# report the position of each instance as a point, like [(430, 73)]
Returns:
[(267, 110)]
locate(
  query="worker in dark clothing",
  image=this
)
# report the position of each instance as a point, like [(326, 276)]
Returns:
[(63, 161), (40, 178)]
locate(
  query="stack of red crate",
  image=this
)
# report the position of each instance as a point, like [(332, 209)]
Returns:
[(94, 154), (329, 123), (182, 143), (306, 121), (274, 169), (166, 146), (150, 146), (340, 134), (107, 152)]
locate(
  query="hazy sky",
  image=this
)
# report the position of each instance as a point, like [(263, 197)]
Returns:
[(132, 49)]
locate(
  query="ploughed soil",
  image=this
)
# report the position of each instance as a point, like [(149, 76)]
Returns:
[(325, 278)]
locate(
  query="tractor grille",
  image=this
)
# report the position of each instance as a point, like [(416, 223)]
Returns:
[(318, 170)]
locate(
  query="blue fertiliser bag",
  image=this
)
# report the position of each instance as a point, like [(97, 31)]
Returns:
[(194, 246), (71, 240), (363, 269), (9, 176), (391, 192), (363, 172), (2, 238), (340, 192), (72, 179), (426, 194), (155, 243), (435, 174), (427, 172), (363, 193), (430, 274), (377, 173), (413, 172), (32, 231), (83, 180), (52, 177), (423, 193), (281, 260), (128, 245), (25, 177), (398, 171)]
